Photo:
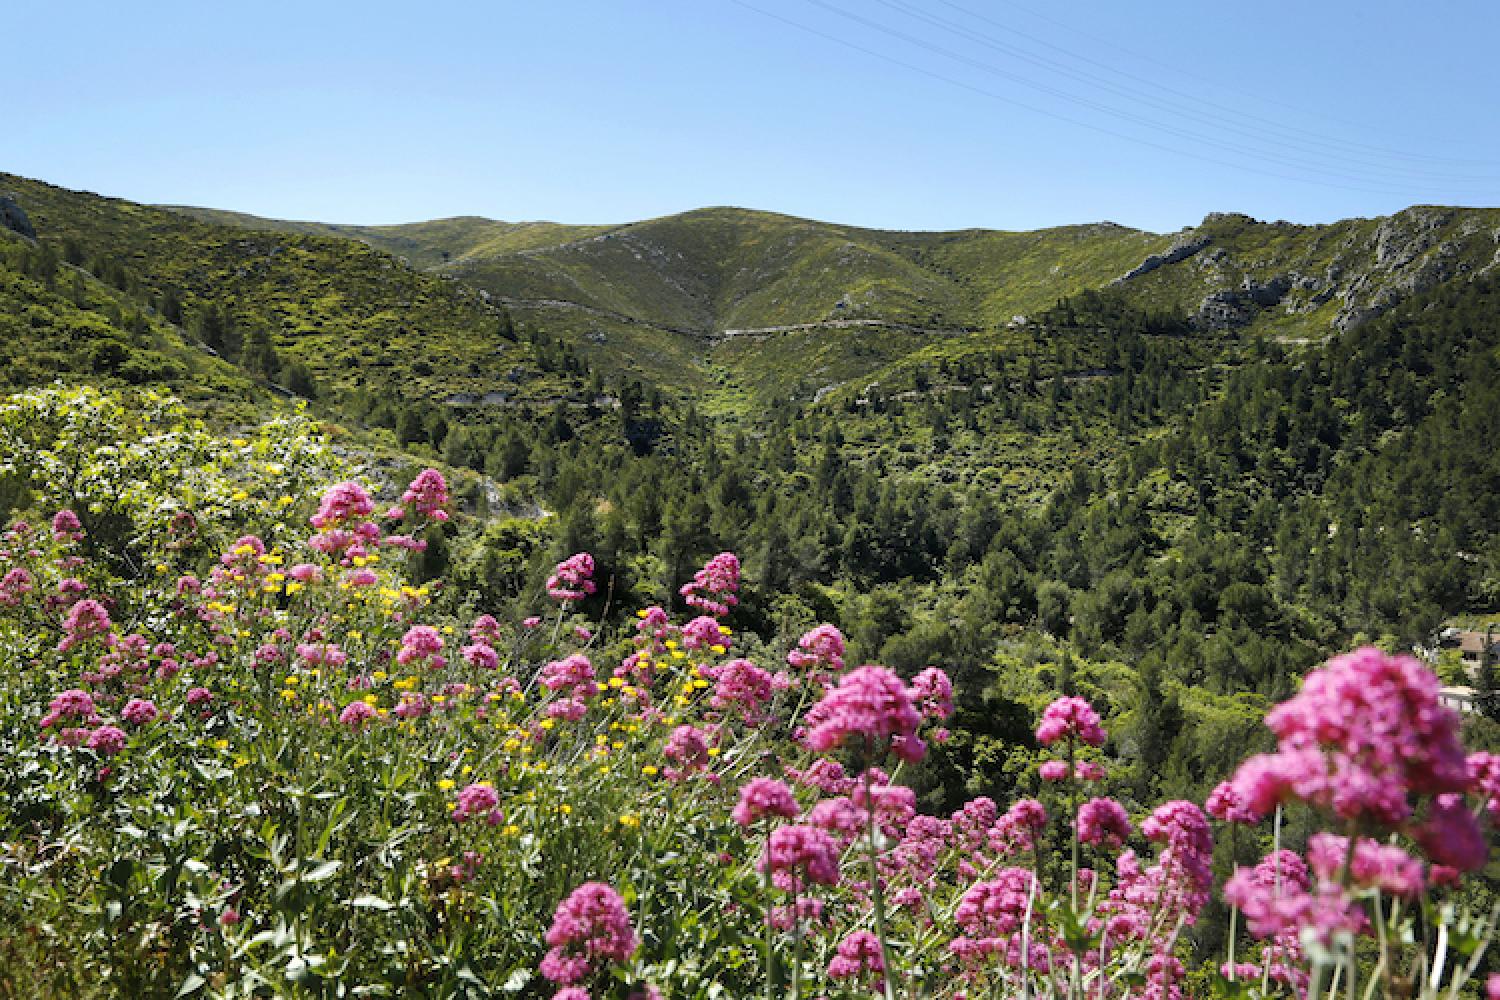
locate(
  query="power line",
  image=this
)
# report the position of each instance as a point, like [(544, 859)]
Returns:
[(1180, 70), (1339, 172), (1043, 112), (1218, 116)]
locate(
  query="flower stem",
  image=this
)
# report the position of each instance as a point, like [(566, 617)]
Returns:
[(876, 891)]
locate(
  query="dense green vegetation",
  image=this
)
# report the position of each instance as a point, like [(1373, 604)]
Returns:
[(1109, 484)]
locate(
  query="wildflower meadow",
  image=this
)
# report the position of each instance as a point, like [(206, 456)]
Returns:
[(247, 754)]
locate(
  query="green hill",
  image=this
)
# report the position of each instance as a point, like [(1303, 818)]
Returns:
[(350, 316), (751, 306)]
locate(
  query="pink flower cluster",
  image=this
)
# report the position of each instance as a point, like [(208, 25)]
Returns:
[(427, 496), (478, 801), (573, 579), (421, 646), (1365, 733), (343, 521), (872, 704), (713, 587), (821, 648), (1070, 719), (589, 929), (798, 854), (762, 798)]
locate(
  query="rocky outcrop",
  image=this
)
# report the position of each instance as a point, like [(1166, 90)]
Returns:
[(12, 217), (1181, 249), (1227, 309)]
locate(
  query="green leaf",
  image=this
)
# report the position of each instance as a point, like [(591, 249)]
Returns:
[(323, 872), (192, 984), (371, 903)]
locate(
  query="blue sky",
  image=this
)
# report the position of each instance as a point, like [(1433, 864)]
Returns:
[(913, 114)]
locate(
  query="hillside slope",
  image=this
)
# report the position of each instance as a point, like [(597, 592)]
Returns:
[(671, 299), (352, 315)]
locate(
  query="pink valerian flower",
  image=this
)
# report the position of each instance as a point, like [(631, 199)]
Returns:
[(997, 907), (1280, 901), (66, 526), (1365, 733), (74, 704), (1451, 836), (321, 654), (1054, 770), (804, 909), (413, 705), (570, 677), (1492, 987), (933, 693), (342, 504), (857, 957), (573, 578), (1188, 854), (1377, 866), (407, 542), (1226, 804), (761, 798), (572, 993), (356, 714), (797, 854), (531, 622), (362, 578), (894, 805), (86, 620), (821, 648), (589, 929), (1089, 770), (654, 623), (139, 712), (485, 629), (16, 585), (421, 646), (427, 495), (1103, 822), (703, 632), (1484, 780), (107, 740), (687, 748), (1070, 718), (972, 821), (478, 801), (740, 685), (826, 775), (569, 709), (713, 587), (1017, 830), (198, 697), (869, 703), (305, 573), (480, 655), (840, 818)]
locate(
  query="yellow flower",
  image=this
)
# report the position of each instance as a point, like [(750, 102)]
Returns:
[(221, 744), (649, 771), (293, 587), (629, 821), (292, 680), (446, 784)]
